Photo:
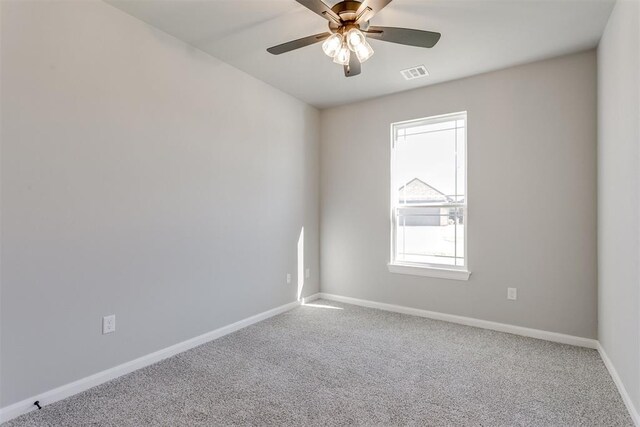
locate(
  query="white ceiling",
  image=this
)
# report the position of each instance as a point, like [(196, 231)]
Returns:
[(477, 36)]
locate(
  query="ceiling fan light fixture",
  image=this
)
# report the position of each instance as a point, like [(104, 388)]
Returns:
[(355, 38), (349, 28), (364, 52), (332, 45), (343, 55)]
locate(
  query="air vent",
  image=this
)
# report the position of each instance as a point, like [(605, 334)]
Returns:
[(415, 72)]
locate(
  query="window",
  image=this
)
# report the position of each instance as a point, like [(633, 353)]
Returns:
[(429, 197)]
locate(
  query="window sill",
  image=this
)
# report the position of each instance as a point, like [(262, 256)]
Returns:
[(441, 273)]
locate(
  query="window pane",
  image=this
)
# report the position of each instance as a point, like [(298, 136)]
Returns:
[(433, 235), (434, 160), (429, 191), (461, 166)]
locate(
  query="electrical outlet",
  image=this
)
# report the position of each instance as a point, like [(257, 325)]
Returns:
[(307, 273), (288, 278), (512, 293), (108, 324)]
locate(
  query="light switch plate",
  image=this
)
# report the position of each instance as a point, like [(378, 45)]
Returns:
[(512, 293)]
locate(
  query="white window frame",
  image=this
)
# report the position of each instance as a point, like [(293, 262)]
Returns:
[(442, 271)]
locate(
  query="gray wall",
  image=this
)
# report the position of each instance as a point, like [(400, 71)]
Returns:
[(140, 177), (531, 150), (618, 194)]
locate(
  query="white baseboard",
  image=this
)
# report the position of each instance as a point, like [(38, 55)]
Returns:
[(310, 298), (469, 321), (12, 411), (502, 327), (633, 412), (59, 393)]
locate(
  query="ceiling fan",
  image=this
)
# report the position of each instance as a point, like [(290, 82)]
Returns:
[(348, 24)]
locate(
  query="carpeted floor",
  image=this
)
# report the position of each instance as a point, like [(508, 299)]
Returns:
[(348, 365)]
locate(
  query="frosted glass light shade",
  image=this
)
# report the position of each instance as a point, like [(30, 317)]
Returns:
[(343, 55), (332, 45), (364, 52), (355, 38)]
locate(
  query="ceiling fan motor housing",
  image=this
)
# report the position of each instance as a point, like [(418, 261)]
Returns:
[(347, 11)]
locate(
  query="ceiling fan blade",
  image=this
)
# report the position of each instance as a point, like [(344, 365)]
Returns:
[(354, 68), (404, 36), (321, 9), (369, 8), (297, 44)]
